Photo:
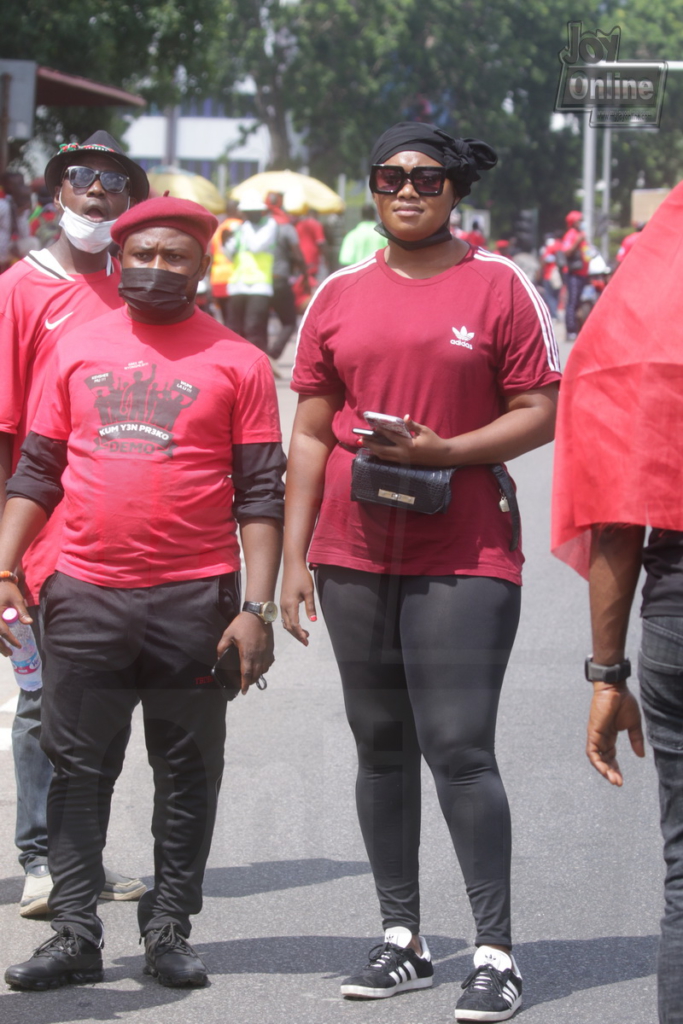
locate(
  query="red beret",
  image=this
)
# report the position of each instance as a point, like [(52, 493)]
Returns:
[(167, 212)]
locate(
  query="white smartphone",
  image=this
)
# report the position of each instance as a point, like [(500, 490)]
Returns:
[(393, 424)]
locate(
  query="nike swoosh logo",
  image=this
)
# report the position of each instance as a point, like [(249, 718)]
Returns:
[(51, 327)]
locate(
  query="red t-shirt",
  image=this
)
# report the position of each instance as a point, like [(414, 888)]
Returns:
[(446, 350), (39, 303), (569, 240), (476, 239), (311, 237), (627, 244), (150, 414), (548, 257)]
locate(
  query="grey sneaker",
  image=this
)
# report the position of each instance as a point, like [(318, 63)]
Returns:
[(120, 887), (37, 888)]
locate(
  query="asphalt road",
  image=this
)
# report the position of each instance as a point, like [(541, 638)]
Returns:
[(289, 902)]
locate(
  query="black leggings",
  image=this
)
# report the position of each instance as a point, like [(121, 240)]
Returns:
[(422, 661)]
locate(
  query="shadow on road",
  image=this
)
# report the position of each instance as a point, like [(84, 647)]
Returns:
[(11, 888), (330, 956), (556, 968), (92, 1002), (275, 875)]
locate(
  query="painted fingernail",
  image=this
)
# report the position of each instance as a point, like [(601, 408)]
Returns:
[(313, 618)]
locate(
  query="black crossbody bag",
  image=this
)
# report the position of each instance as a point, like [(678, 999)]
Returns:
[(419, 488)]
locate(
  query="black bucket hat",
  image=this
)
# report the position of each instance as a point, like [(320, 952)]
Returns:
[(100, 142)]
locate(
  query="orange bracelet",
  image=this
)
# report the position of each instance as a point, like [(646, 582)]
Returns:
[(5, 574)]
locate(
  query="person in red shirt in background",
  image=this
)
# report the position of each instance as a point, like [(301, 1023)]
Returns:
[(43, 221), (628, 242), (575, 249), (551, 276), (42, 297), (169, 425), (310, 231), (287, 264), (475, 237), (274, 202)]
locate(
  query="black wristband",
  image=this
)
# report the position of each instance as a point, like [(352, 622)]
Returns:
[(596, 673)]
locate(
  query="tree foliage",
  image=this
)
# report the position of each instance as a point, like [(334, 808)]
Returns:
[(136, 44)]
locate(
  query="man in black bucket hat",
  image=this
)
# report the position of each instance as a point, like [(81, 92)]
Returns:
[(42, 297)]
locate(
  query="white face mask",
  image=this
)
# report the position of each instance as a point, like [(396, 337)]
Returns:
[(87, 235)]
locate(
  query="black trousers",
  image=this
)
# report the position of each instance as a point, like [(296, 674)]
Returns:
[(422, 661), (248, 317), (106, 650), (284, 307)]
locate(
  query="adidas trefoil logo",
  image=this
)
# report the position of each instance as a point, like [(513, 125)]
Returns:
[(462, 337)]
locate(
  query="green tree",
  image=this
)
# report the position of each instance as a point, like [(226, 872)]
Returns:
[(328, 68), (135, 45)]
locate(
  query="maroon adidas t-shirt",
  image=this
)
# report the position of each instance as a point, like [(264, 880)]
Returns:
[(446, 350), (150, 414)]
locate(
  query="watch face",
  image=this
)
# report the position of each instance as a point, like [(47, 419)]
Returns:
[(269, 611)]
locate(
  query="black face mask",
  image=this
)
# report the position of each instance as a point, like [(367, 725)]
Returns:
[(442, 234), (159, 294)]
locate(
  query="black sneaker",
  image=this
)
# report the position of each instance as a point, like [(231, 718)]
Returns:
[(489, 993), (170, 958), (65, 959), (391, 969)]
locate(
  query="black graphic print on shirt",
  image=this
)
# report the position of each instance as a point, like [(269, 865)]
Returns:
[(138, 414)]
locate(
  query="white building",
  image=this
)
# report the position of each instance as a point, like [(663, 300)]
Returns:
[(199, 138)]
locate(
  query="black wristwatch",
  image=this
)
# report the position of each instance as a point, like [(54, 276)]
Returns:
[(618, 673), (266, 610)]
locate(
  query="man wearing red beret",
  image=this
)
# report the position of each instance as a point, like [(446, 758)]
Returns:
[(162, 437), (42, 297)]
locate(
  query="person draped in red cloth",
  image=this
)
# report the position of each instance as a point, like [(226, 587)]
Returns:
[(618, 473)]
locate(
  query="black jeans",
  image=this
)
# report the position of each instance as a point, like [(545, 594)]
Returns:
[(106, 650), (422, 661), (661, 693), (575, 285)]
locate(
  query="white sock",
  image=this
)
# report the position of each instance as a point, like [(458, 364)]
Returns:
[(494, 958), (399, 936)]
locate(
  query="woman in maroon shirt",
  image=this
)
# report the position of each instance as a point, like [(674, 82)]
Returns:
[(422, 610)]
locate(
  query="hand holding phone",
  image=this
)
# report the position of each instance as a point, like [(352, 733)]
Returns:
[(372, 435), (392, 424)]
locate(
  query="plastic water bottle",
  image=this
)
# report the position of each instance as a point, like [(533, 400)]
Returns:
[(28, 670)]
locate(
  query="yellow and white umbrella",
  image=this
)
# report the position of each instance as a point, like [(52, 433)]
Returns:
[(183, 184), (299, 191)]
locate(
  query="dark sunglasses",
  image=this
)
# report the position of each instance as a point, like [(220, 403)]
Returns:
[(83, 177), (390, 179)]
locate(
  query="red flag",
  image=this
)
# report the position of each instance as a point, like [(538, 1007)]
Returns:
[(619, 441)]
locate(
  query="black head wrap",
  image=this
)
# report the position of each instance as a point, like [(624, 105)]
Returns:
[(462, 158)]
